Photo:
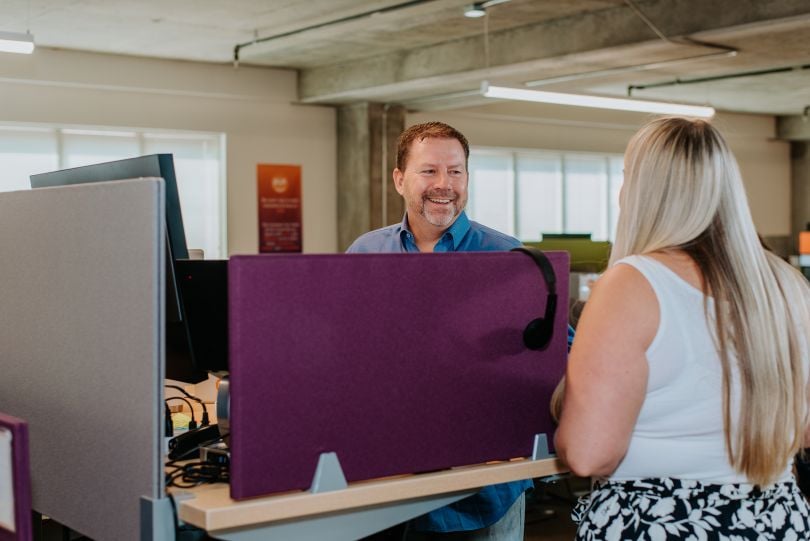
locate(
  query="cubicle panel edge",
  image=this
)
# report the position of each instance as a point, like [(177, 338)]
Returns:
[(399, 363), (81, 336), (15, 515)]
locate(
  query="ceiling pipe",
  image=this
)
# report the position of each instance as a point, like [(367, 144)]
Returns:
[(676, 82), (395, 7)]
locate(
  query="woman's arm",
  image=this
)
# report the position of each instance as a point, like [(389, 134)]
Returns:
[(606, 378)]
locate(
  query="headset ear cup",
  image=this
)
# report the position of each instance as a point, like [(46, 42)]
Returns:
[(537, 333)]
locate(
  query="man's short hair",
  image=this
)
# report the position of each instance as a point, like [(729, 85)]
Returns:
[(420, 132)]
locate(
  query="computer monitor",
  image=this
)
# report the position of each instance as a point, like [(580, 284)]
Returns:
[(203, 286), (180, 364), (586, 255)]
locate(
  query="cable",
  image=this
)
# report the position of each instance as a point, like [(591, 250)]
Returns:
[(175, 518), (199, 473), (185, 393), (205, 421), (687, 39), (191, 424), (647, 21), (168, 426), (196, 473)]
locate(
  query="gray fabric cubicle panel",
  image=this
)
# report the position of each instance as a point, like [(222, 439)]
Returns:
[(81, 325)]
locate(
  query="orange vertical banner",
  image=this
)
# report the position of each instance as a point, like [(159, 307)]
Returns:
[(804, 242), (279, 208)]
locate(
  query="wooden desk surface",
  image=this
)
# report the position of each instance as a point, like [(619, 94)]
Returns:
[(211, 508)]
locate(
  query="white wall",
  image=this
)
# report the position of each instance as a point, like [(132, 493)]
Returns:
[(764, 161), (252, 106)]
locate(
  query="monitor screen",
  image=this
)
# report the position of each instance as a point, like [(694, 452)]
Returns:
[(180, 363), (203, 286), (586, 255)]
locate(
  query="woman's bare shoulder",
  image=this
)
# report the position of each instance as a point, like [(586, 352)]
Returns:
[(623, 303)]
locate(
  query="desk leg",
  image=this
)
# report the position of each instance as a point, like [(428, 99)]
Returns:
[(342, 526)]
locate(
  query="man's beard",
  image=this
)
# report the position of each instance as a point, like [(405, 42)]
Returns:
[(441, 217)]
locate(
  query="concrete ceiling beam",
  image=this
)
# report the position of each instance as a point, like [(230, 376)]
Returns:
[(455, 65), (795, 127)]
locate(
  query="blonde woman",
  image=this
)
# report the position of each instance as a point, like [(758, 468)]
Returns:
[(686, 390)]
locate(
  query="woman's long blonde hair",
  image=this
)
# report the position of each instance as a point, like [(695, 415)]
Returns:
[(683, 190)]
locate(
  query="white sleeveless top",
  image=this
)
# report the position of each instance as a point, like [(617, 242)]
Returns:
[(679, 432)]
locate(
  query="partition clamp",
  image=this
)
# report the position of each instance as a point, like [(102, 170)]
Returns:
[(328, 474), (540, 449)]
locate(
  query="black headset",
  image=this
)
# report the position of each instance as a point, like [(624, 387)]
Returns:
[(537, 334)]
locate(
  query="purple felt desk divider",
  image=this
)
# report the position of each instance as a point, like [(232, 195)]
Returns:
[(399, 363), (20, 505)]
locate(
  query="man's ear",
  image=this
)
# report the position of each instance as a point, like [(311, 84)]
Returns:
[(399, 181)]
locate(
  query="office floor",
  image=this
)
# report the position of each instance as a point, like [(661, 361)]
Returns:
[(548, 509), (53, 531)]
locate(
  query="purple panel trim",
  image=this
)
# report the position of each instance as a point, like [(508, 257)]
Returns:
[(399, 363), (22, 479)]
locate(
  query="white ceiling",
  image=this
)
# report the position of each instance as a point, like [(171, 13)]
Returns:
[(208, 30), (428, 55)]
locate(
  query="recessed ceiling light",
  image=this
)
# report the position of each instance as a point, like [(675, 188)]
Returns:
[(474, 11)]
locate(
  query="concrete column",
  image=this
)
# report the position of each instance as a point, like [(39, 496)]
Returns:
[(800, 189), (367, 143)]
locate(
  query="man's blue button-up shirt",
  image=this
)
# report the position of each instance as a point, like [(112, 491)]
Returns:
[(463, 235)]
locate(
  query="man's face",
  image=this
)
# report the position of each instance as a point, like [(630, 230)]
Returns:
[(434, 182)]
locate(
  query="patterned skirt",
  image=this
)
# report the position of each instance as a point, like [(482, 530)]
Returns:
[(676, 509)]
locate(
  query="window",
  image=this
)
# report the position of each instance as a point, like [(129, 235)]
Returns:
[(24, 151), (198, 163), (527, 193)]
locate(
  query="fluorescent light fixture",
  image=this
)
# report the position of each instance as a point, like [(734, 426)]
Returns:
[(598, 102), (14, 42)]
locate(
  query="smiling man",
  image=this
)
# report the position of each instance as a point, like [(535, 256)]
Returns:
[(431, 176)]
